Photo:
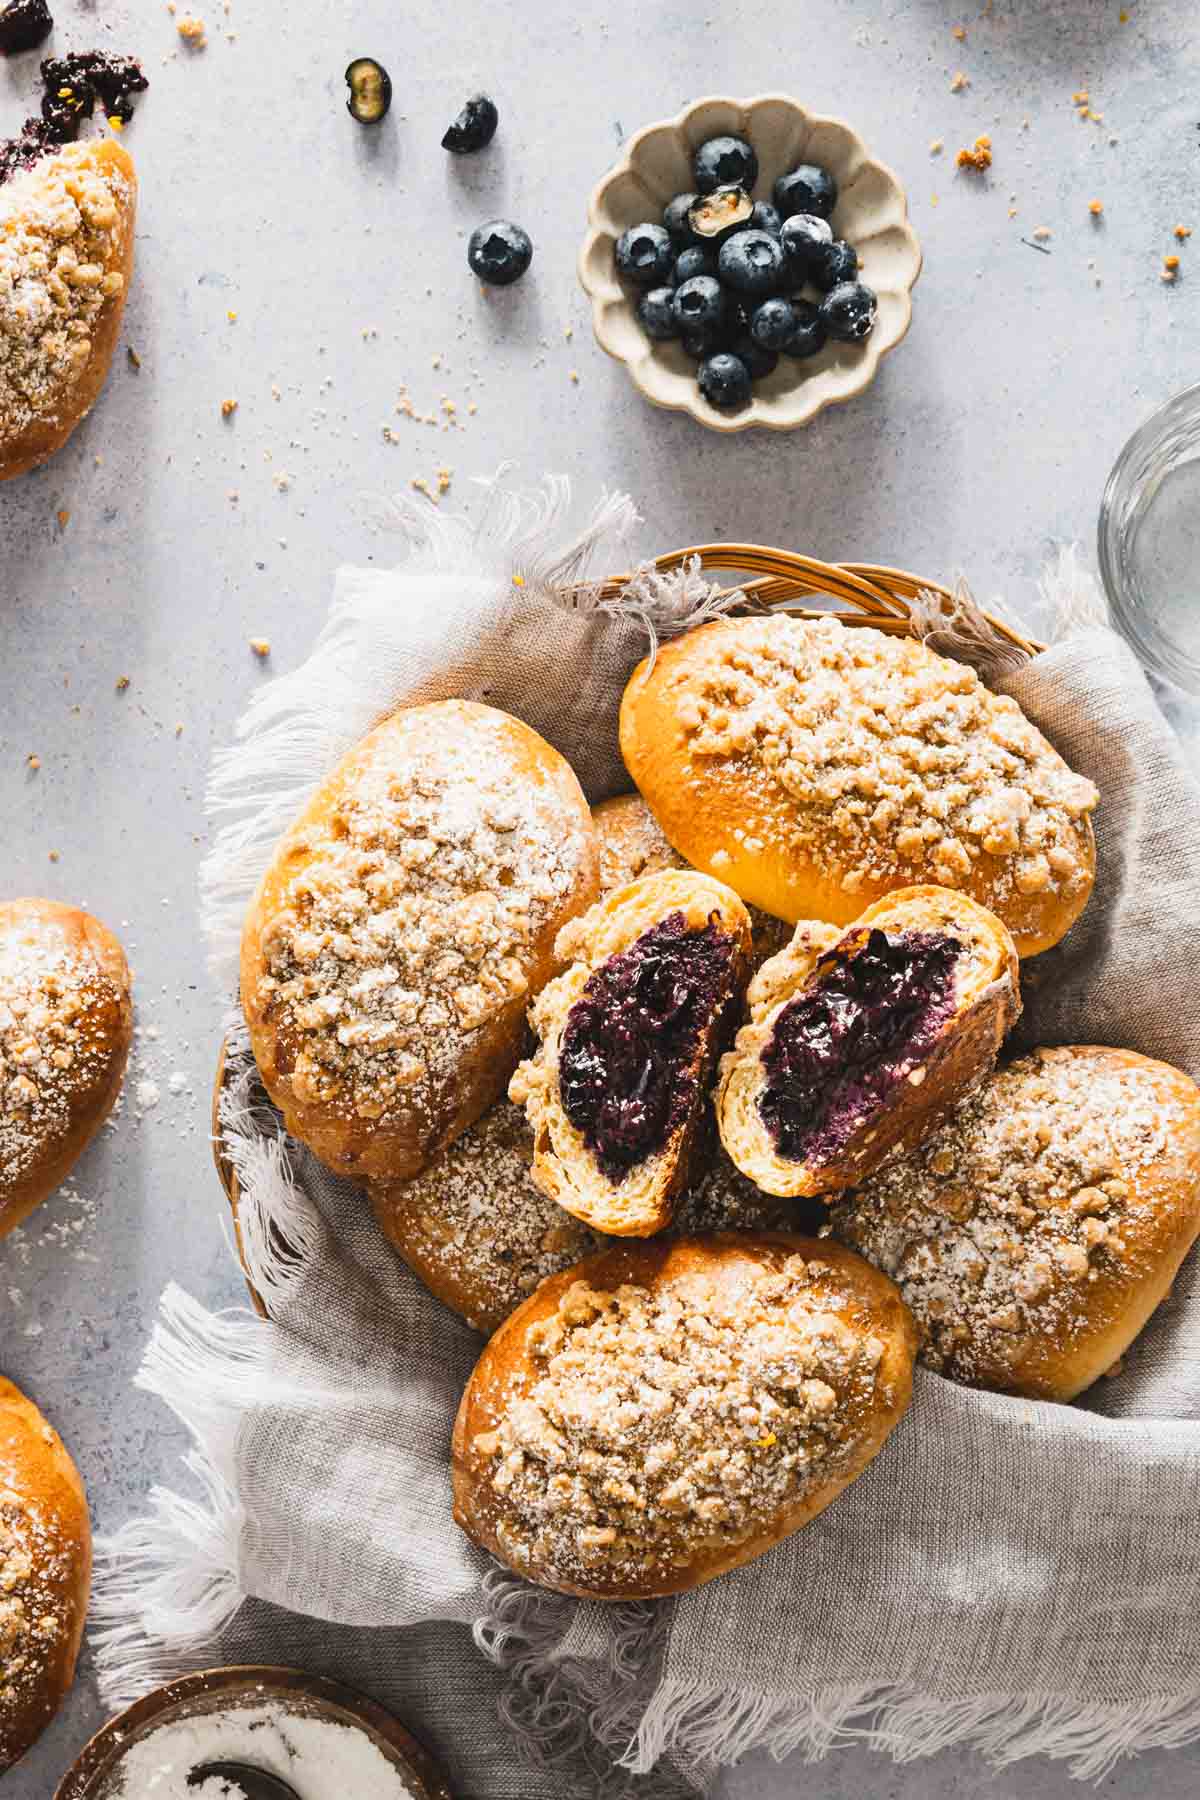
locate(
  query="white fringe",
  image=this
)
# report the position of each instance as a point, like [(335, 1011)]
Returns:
[(707, 1724), (1073, 596), (965, 633), (167, 1583)]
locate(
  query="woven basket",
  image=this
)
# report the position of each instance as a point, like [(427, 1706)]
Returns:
[(866, 594)]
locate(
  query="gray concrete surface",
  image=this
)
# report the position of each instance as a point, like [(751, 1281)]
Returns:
[(986, 439)]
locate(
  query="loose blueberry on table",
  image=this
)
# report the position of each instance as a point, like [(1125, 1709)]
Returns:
[(370, 90), (474, 128), (723, 274), (499, 252)]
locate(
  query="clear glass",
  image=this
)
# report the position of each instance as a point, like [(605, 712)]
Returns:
[(1149, 542)]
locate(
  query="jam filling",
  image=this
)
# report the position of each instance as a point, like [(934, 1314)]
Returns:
[(841, 1046), (71, 87), (625, 1064)]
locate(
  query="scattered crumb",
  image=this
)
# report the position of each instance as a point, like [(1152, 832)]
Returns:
[(282, 481), (1042, 232), (228, 408), (34, 761), (232, 317), (569, 333), (63, 517), (1096, 208), (960, 33), (122, 683), (1081, 98), (959, 82), (444, 478), (54, 856), (472, 408), (1182, 232), (1012, 212), (177, 1082), (979, 157), (573, 374), (191, 30), (936, 146), (518, 581), (135, 361), (146, 1095), (1170, 269), (179, 729), (261, 646), (422, 487)]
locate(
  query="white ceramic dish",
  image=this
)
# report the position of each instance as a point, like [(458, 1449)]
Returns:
[(872, 213)]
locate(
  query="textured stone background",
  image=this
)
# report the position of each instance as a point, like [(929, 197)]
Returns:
[(985, 440)]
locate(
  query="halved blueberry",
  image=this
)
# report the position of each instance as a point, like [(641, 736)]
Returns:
[(724, 161), (725, 381), (848, 312), (499, 252), (715, 216), (805, 239), (675, 219), (644, 255), (700, 302), (772, 323), (752, 262), (806, 189), (808, 333), (656, 310), (836, 263)]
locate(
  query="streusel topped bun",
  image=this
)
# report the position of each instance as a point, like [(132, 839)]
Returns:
[(407, 920), (1036, 1232), (45, 1572), (480, 1233), (665, 1412), (66, 257), (66, 1023), (816, 768)]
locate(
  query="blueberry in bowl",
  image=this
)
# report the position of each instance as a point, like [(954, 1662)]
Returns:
[(808, 333), (725, 381), (698, 259), (499, 252), (724, 162), (752, 262), (758, 358), (645, 255), (656, 312), (848, 312), (675, 219), (835, 263), (806, 189), (773, 321), (804, 240), (766, 217), (700, 302)]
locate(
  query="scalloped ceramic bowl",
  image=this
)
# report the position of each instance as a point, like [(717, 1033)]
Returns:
[(871, 212)]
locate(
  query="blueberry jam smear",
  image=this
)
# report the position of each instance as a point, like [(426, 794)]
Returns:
[(71, 86), (837, 1049), (625, 1064)]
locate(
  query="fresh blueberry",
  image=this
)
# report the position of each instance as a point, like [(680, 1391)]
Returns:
[(696, 260), (805, 239), (700, 341), (700, 302), (725, 381), (758, 360), (836, 263), (848, 312), (656, 310), (808, 333), (807, 189), (645, 255), (752, 262), (765, 217), (717, 215), (474, 128), (675, 218), (724, 162), (772, 323), (499, 252)]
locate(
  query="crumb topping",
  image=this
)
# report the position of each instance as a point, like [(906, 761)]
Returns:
[(477, 1219), (56, 1012), (897, 760), (414, 921), (665, 1425), (60, 230), (33, 1620), (997, 1226)]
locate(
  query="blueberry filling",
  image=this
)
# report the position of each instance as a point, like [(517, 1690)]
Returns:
[(839, 1048), (626, 1070), (71, 87)]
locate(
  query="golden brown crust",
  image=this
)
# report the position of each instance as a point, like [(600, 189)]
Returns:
[(643, 1201), (45, 1572), (39, 412), (817, 768), (985, 1003), (667, 1411), (479, 1232), (1034, 1235), (632, 844), (66, 1024), (407, 919)]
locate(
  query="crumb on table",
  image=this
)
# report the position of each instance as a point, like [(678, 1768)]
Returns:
[(978, 157)]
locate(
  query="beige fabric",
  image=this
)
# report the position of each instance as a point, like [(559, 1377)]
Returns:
[(1016, 1575)]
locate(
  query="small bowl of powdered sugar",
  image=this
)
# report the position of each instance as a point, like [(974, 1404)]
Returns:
[(289, 1733)]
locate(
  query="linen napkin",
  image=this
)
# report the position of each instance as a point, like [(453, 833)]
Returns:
[(1011, 1574)]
